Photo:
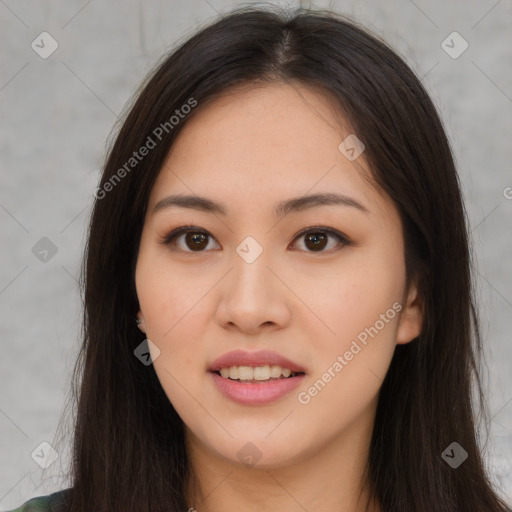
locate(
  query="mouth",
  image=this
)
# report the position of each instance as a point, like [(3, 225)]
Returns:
[(255, 378), (261, 365), (259, 391), (256, 374)]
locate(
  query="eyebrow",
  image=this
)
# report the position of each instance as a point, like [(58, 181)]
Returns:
[(282, 208)]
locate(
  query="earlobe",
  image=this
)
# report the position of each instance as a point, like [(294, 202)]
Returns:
[(411, 319), (140, 322)]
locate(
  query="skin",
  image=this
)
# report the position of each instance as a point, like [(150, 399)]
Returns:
[(249, 150)]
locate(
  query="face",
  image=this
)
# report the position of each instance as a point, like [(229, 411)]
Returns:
[(320, 282)]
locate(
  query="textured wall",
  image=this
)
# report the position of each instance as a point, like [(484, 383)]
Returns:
[(58, 110)]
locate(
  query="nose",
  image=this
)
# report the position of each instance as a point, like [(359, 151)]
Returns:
[(253, 298)]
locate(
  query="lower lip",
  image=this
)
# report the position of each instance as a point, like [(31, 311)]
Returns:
[(256, 393)]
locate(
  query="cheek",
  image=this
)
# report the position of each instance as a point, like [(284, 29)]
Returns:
[(355, 296), (358, 307), (168, 296), (170, 300), (350, 365)]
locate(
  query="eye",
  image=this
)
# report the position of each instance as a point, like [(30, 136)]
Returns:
[(317, 239), (195, 239)]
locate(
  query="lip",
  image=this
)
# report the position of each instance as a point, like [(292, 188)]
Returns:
[(256, 393), (260, 358)]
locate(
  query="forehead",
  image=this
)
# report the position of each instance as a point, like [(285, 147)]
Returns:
[(290, 117), (274, 140)]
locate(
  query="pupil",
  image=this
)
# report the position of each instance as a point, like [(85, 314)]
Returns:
[(198, 241), (318, 240)]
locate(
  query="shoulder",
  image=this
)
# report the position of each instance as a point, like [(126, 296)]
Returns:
[(56, 502)]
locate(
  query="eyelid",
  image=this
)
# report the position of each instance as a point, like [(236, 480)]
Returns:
[(343, 240)]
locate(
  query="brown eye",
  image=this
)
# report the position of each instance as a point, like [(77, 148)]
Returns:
[(195, 240), (317, 239)]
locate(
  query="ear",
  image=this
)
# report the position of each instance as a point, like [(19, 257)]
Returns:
[(140, 322), (411, 319)]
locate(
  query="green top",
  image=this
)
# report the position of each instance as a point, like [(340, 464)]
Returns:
[(55, 502)]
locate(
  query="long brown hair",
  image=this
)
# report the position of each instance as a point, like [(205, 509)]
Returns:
[(128, 449)]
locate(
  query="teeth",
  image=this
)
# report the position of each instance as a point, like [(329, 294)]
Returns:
[(262, 372), (245, 373), (275, 372), (255, 373)]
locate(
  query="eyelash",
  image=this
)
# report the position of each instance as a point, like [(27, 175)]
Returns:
[(181, 230)]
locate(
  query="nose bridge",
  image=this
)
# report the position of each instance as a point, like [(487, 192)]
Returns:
[(252, 295), (251, 275)]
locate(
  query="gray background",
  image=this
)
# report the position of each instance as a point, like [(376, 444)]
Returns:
[(57, 114)]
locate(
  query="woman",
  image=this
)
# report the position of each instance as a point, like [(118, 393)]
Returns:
[(278, 299)]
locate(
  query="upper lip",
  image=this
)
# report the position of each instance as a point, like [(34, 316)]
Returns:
[(260, 358)]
